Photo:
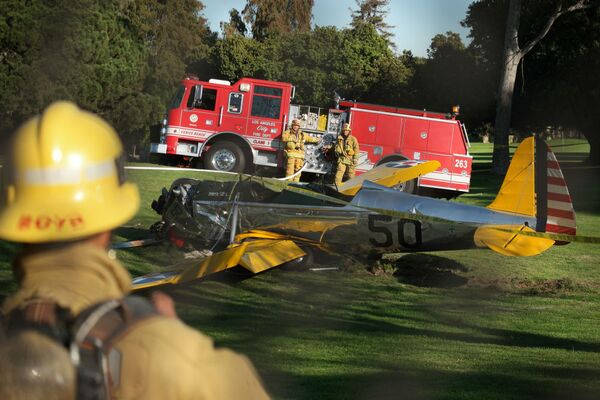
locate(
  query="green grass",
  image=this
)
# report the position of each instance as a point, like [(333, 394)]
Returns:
[(440, 325), (570, 150)]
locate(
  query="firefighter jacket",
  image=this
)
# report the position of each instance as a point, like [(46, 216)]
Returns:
[(294, 143), (161, 357), (347, 150)]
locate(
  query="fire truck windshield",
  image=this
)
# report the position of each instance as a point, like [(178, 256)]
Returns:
[(177, 97), (266, 102)]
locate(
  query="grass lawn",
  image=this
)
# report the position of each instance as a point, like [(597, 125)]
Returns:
[(440, 325)]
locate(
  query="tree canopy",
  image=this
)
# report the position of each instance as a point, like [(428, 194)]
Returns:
[(122, 59)]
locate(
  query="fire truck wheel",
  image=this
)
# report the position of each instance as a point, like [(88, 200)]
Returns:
[(407, 187), (225, 156)]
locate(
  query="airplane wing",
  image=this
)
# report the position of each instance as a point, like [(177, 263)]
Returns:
[(256, 251), (390, 174)]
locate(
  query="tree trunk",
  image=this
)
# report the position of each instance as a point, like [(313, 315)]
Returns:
[(503, 114), (512, 57), (594, 140)]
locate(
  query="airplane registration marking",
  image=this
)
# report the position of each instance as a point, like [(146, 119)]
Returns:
[(406, 238)]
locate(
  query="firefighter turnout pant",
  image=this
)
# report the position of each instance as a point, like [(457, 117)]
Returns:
[(344, 171), (293, 165)]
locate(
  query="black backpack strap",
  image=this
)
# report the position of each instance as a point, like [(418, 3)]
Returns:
[(41, 315), (93, 334)]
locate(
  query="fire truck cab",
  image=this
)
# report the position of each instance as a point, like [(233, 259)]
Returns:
[(234, 127), (229, 127)]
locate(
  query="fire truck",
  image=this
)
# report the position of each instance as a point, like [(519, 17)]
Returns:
[(235, 127)]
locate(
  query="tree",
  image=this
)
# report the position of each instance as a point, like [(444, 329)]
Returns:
[(21, 40), (237, 56), (267, 17), (563, 86), (513, 55), (372, 12), (311, 61), (119, 59), (453, 75), (235, 26), (363, 53)]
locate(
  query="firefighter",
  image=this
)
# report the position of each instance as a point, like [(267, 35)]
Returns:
[(293, 141), (66, 191), (346, 153)]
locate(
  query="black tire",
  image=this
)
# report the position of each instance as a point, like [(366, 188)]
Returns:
[(225, 156), (409, 187)]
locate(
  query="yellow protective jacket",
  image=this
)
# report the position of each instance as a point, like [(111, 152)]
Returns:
[(162, 358), (347, 150), (293, 143)]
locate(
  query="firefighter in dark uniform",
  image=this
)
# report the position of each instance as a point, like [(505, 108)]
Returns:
[(293, 149), (346, 153), (65, 193)]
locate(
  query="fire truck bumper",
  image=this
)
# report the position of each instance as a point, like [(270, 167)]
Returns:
[(158, 148)]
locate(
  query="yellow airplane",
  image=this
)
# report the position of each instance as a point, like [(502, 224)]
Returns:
[(261, 223)]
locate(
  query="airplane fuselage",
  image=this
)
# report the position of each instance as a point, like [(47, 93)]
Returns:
[(417, 224)]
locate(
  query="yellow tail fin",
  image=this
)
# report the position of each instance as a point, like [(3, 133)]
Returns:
[(517, 194)]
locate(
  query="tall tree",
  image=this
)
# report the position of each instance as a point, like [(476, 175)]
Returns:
[(119, 59), (512, 57), (21, 40), (372, 12), (452, 75), (235, 26), (563, 84), (268, 17)]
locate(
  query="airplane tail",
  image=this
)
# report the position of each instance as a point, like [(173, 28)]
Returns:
[(534, 185)]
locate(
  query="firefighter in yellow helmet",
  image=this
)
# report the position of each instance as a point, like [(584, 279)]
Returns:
[(66, 191), (346, 153), (293, 149)]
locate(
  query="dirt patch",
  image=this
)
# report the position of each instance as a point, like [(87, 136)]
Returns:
[(422, 270), (527, 286)]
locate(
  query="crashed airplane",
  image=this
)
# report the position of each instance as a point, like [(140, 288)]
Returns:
[(261, 223)]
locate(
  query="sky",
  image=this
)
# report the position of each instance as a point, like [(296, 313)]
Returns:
[(415, 21)]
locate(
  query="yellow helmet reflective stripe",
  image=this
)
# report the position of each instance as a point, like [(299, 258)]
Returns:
[(65, 178)]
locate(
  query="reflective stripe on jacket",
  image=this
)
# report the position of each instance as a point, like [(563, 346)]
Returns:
[(294, 143)]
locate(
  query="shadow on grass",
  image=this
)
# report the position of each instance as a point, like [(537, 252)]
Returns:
[(583, 188), (426, 270), (133, 233), (411, 382), (281, 319), (269, 312)]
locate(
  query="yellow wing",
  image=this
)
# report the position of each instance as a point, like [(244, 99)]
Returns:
[(266, 250), (500, 239), (390, 174)]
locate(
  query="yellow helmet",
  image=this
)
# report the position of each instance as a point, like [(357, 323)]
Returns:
[(296, 122), (65, 178)]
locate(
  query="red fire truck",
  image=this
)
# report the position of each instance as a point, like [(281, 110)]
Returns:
[(233, 127)]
